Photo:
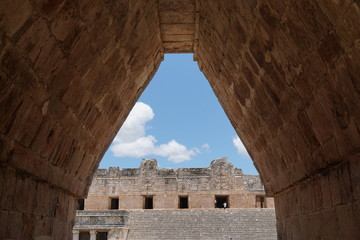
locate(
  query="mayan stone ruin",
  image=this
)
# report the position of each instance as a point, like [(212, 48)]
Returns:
[(287, 74), (131, 188), (199, 192)]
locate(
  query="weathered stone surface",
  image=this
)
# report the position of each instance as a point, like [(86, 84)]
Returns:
[(202, 224), (292, 49), (286, 73), (200, 185), (177, 25), (101, 219)]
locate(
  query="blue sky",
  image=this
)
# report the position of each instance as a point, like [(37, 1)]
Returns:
[(179, 121)]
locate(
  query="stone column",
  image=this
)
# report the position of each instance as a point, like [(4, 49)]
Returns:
[(75, 234), (93, 234)]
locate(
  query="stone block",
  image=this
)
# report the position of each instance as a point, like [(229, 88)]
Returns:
[(317, 194), (305, 12), (13, 226), (356, 221), (14, 15), (59, 226), (345, 183), (71, 95), (28, 226), (33, 39), (347, 140), (44, 226), (99, 203), (42, 200), (71, 209), (6, 152), (330, 49), (314, 225), (76, 161), (335, 188), (3, 221), (330, 225), (7, 189), (269, 17), (321, 123), (334, 9), (325, 190), (82, 55), (32, 200), (31, 115), (27, 78), (302, 40), (40, 96), (65, 20), (71, 39), (348, 228), (330, 153), (41, 168), (354, 169), (47, 137), (11, 61), (49, 59), (48, 8), (60, 80), (21, 194), (57, 175)]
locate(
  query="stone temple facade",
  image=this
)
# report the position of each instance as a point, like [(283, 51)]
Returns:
[(220, 185), (150, 187)]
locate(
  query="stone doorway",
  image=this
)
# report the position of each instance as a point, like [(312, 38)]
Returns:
[(84, 236), (183, 202), (220, 200), (148, 202), (102, 236), (114, 203)]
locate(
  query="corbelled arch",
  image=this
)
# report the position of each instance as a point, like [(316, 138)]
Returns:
[(286, 73)]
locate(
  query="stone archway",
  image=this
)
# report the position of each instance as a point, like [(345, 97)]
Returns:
[(286, 73)]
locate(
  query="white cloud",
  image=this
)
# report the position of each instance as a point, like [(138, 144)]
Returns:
[(175, 152), (205, 146), (134, 126), (141, 147), (132, 140), (239, 145)]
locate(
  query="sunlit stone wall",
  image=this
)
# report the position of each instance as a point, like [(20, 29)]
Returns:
[(200, 185)]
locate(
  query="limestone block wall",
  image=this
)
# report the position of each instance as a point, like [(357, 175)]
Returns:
[(166, 201), (96, 203), (70, 72), (287, 74), (198, 201), (165, 186), (243, 201), (130, 202)]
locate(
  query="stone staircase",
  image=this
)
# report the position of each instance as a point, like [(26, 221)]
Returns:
[(214, 224)]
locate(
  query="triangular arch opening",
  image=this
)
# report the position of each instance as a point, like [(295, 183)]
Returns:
[(179, 121)]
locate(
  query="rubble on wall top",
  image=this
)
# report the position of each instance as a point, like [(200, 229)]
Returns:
[(220, 166)]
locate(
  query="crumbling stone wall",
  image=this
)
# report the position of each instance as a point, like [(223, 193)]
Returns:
[(286, 73), (200, 185)]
